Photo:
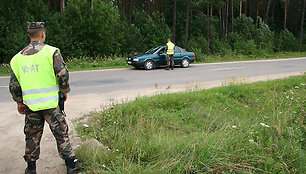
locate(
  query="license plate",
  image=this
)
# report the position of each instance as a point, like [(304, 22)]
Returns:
[(129, 62)]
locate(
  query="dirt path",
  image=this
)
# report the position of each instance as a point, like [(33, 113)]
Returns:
[(11, 123)]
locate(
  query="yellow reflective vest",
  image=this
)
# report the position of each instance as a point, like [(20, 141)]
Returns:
[(170, 48), (37, 79)]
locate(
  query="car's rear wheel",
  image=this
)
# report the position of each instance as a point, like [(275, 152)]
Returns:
[(185, 63), (149, 64)]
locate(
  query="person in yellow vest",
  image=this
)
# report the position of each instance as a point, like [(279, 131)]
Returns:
[(38, 75), (170, 52)]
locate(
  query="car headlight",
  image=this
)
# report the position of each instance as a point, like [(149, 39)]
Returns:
[(135, 59)]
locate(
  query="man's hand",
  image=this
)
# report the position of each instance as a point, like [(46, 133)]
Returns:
[(21, 108), (65, 95)]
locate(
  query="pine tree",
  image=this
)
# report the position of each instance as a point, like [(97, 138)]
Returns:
[(187, 24), (302, 22), (174, 20)]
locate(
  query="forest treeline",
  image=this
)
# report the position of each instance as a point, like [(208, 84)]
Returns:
[(118, 27)]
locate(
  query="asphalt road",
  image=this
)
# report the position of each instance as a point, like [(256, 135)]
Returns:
[(95, 90), (103, 81)]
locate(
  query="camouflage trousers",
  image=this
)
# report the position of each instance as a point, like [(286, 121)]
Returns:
[(33, 130), (170, 60)]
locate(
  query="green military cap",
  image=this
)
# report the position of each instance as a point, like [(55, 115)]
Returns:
[(35, 25)]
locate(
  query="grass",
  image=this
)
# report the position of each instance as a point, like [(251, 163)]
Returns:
[(85, 63), (249, 128), (5, 70), (234, 57)]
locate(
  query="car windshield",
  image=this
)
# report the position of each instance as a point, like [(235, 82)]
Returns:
[(152, 50)]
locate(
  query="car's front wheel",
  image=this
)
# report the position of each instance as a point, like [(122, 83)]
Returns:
[(149, 64), (185, 63)]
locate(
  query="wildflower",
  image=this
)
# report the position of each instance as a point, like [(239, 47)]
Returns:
[(251, 141), (291, 91), (104, 166), (114, 122), (234, 127), (263, 124), (302, 84), (280, 112), (85, 125), (117, 150), (294, 112), (296, 87), (287, 96)]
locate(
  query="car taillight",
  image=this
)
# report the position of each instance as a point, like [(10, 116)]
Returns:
[(193, 55)]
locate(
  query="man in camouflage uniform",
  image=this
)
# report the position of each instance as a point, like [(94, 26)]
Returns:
[(170, 54), (34, 120)]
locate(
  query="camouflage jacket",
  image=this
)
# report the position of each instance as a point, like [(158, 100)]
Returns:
[(59, 67)]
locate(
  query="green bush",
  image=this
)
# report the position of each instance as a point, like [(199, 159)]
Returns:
[(14, 15), (200, 56), (130, 39), (221, 47), (264, 37), (303, 49), (199, 43), (242, 46), (245, 32), (2, 40), (153, 29), (285, 41), (245, 27), (89, 32), (57, 35), (245, 47), (234, 37)]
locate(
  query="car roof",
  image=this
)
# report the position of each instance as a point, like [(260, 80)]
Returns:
[(163, 46)]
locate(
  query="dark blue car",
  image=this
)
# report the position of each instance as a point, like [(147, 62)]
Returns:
[(156, 57)]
